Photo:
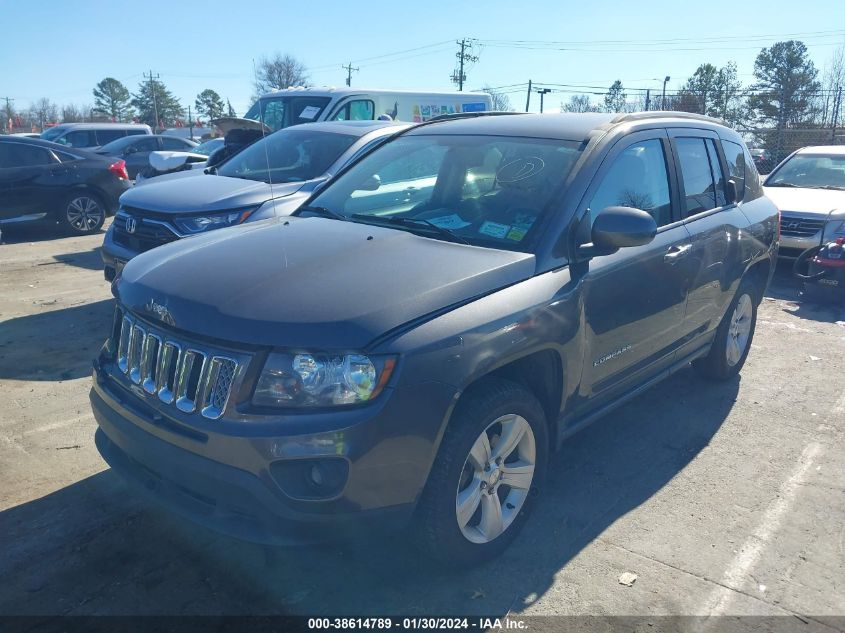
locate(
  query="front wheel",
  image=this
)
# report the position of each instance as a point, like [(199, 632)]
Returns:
[(733, 337), (488, 471), (82, 213)]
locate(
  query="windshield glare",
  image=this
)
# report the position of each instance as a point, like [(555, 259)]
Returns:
[(811, 171), (281, 112), (288, 156), (53, 132), (207, 147), (488, 191)]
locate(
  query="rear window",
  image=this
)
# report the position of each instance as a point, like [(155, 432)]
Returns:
[(107, 136)]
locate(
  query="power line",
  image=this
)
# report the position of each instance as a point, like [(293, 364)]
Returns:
[(349, 70)]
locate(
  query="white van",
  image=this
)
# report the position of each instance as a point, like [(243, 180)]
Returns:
[(305, 105)]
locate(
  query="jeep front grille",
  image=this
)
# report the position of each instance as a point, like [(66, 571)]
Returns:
[(190, 377)]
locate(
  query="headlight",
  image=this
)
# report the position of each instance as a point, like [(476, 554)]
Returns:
[(198, 224), (321, 380)]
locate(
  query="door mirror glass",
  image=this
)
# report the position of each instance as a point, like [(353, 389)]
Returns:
[(619, 227)]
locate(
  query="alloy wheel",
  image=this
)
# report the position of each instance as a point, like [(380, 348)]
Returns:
[(84, 214), (496, 479), (739, 330)]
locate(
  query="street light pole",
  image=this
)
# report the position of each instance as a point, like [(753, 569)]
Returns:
[(542, 92), (663, 99)]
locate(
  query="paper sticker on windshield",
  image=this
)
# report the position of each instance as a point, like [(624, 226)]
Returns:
[(453, 221), (309, 112), (516, 234), (493, 229)]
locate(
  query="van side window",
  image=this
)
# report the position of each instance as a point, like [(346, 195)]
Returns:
[(699, 188), (107, 136), (637, 178), (735, 158), (360, 110), (79, 138), (134, 131)]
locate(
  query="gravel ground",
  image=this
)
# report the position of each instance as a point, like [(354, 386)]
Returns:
[(721, 499)]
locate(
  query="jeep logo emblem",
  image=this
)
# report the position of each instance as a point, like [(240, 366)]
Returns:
[(131, 225)]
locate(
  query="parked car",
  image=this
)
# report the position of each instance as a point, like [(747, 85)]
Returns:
[(135, 150), (170, 162), (412, 344), (43, 181), (91, 135), (195, 133), (808, 187), (241, 189)]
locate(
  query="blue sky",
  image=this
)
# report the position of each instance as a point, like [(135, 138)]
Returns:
[(210, 44)]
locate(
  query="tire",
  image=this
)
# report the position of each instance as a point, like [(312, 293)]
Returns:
[(82, 213), (498, 409), (733, 337)]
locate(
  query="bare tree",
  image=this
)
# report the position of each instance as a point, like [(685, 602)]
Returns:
[(501, 102), (43, 111), (72, 113), (832, 78), (279, 72), (579, 103)]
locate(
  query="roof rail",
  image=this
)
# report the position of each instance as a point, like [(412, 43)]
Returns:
[(655, 114), (469, 115)]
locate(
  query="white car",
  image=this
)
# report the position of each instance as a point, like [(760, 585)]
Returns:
[(809, 189), (169, 162)]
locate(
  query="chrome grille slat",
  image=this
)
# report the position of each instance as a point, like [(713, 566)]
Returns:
[(150, 358)]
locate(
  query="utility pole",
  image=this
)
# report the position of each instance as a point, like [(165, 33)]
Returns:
[(153, 90), (349, 70), (458, 75), (190, 124), (528, 98), (647, 99), (8, 113), (837, 103), (542, 92)]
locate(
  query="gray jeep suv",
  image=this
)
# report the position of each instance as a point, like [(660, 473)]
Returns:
[(413, 344)]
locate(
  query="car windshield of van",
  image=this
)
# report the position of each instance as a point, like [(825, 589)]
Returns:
[(281, 112), (482, 190), (811, 171), (52, 133), (288, 156)]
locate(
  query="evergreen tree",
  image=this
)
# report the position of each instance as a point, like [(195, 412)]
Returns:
[(112, 99), (209, 104), (154, 97)]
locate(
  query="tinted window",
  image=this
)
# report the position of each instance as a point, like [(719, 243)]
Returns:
[(118, 146), (288, 156), (135, 131), (145, 145), (20, 155), (176, 144), (699, 189), (107, 136), (79, 138), (735, 158), (361, 110), (716, 170), (208, 146), (637, 178)]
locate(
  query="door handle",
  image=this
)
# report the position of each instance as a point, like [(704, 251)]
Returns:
[(677, 253)]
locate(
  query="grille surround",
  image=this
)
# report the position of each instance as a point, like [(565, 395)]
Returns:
[(191, 377), (800, 226)]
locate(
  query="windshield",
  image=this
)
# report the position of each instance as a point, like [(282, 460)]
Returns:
[(484, 190), (208, 146), (812, 171), (292, 156), (281, 112), (52, 133)]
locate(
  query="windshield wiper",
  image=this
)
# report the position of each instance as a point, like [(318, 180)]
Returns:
[(784, 184), (326, 213), (417, 222)]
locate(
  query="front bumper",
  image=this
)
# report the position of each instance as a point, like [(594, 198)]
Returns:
[(112, 253), (229, 481)]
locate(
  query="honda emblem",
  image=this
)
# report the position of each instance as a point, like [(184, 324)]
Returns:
[(131, 225)]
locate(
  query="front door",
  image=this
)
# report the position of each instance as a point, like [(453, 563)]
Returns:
[(25, 179), (634, 299)]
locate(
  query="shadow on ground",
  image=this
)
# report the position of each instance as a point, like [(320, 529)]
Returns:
[(56, 344), (94, 548), (786, 287)]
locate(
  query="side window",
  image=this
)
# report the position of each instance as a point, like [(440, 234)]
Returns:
[(699, 189), (135, 131), (716, 170), (361, 110), (107, 136), (424, 163), (637, 178), (145, 145), (175, 144), (27, 156), (735, 158), (366, 148), (79, 138)]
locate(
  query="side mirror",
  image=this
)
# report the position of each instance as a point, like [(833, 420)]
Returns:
[(130, 150), (731, 191), (370, 184), (619, 227)]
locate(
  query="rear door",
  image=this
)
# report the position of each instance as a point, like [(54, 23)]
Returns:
[(26, 178), (713, 225), (634, 299)]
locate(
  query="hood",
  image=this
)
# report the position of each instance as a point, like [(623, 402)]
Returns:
[(310, 283), (806, 201), (229, 123), (197, 192)]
